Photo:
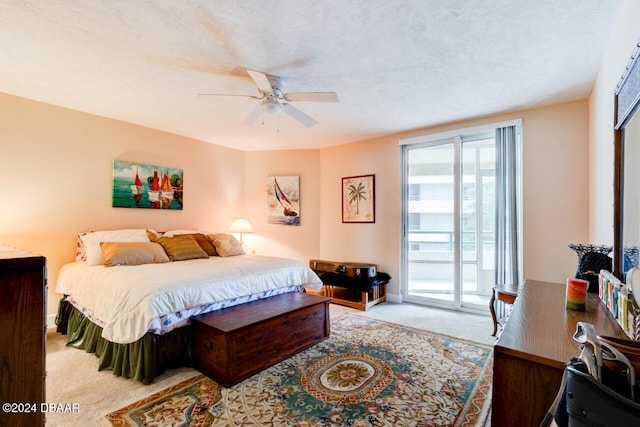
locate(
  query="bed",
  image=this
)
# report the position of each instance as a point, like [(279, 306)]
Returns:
[(129, 295)]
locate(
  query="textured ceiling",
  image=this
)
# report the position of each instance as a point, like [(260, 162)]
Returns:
[(396, 65)]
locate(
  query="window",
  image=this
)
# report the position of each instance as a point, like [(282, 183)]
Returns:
[(453, 190)]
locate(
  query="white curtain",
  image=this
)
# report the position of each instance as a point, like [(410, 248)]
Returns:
[(506, 236)]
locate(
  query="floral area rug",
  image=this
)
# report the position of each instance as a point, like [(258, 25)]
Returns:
[(368, 373)]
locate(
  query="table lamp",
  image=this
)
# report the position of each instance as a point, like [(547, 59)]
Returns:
[(241, 225)]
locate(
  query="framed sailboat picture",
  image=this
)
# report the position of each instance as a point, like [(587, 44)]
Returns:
[(139, 185), (358, 199), (283, 200)]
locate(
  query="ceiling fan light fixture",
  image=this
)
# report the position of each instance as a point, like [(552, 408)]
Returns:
[(271, 106)]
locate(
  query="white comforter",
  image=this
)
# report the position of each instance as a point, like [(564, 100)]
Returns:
[(126, 299)]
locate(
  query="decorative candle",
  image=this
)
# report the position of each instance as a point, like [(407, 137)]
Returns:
[(577, 294)]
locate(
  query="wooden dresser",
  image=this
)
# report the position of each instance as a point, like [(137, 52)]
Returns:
[(536, 342), (23, 292)]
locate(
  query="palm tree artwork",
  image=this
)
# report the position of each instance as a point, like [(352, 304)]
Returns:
[(357, 193), (358, 198)]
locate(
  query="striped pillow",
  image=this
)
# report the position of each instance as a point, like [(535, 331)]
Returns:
[(204, 243), (181, 248)]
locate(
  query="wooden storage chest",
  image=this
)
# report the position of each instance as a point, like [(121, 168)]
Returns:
[(232, 344)]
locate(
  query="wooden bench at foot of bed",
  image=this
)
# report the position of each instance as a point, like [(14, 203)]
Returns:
[(232, 344)]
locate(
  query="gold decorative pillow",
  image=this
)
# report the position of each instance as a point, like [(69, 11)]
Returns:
[(132, 253), (226, 244), (91, 241), (181, 248), (204, 243)]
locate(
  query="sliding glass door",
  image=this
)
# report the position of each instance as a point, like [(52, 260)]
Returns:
[(449, 210), (478, 219), (431, 238)]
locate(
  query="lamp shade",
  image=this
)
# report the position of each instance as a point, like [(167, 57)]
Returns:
[(241, 225)]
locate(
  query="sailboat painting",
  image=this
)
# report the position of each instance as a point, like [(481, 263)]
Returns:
[(283, 200), (139, 185)]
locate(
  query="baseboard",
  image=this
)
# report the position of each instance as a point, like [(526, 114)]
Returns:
[(51, 321), (394, 298)]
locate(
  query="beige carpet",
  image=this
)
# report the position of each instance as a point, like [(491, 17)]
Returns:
[(73, 376)]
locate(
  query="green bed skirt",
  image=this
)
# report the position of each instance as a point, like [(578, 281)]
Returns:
[(142, 360)]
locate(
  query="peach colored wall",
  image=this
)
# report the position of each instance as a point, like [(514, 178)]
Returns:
[(555, 194), (378, 242), (556, 189), (626, 35), (298, 242), (57, 167)]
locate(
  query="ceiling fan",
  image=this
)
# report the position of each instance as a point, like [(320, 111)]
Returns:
[(273, 98)]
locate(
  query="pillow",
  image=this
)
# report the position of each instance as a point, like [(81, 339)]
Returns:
[(153, 234), (173, 233), (204, 243), (226, 244), (181, 248), (132, 253), (81, 250), (91, 241)]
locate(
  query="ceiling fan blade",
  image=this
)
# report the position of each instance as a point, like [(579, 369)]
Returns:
[(252, 117), (298, 115), (261, 80), (311, 96), (228, 94)]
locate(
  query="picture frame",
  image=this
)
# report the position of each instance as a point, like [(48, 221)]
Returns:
[(283, 200), (146, 186), (358, 199)]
